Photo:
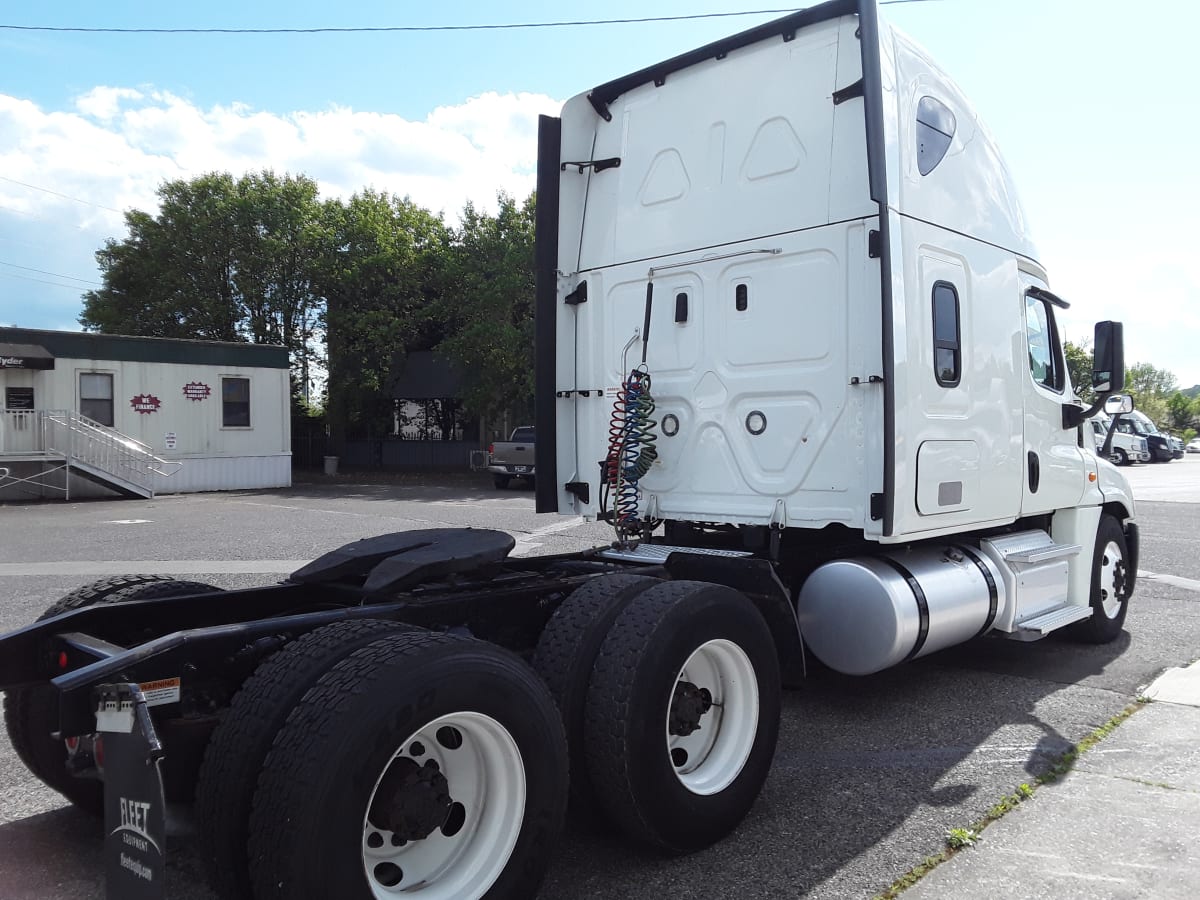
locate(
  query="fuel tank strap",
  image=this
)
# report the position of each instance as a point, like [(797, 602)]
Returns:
[(993, 593), (922, 605)]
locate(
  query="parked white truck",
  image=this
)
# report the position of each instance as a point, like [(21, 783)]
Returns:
[(794, 343), (1124, 447)]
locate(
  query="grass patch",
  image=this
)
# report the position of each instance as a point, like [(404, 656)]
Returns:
[(959, 839), (1067, 761)]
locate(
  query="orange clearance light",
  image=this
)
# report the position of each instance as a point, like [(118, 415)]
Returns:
[(1091, 476)]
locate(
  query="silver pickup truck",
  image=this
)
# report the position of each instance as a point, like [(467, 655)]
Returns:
[(512, 458)]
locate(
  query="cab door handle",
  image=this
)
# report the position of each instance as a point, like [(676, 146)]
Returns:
[(1035, 472)]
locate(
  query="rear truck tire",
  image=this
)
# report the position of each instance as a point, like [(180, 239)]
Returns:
[(239, 745), (421, 759), (1111, 584), (683, 714), (501, 481), (1118, 457), (566, 653), (31, 713)]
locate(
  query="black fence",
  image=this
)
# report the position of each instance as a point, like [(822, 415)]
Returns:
[(309, 452), (393, 454)]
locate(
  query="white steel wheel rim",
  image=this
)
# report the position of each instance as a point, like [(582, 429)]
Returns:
[(1111, 559), (486, 775), (709, 759)]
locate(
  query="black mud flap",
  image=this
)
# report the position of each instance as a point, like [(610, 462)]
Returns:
[(135, 822)]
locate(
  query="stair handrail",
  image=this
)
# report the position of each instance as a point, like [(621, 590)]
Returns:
[(81, 438)]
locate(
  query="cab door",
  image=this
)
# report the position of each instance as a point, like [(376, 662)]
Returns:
[(1055, 469)]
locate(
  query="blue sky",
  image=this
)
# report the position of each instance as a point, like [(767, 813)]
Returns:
[(1092, 102)]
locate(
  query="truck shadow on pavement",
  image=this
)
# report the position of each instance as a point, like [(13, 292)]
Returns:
[(870, 774)]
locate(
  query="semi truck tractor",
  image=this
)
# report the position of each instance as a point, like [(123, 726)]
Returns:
[(795, 345)]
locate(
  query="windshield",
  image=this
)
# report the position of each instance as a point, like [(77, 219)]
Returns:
[(1145, 426)]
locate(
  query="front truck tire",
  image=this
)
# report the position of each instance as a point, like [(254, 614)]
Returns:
[(1111, 585), (239, 745), (423, 759), (31, 713), (683, 714)]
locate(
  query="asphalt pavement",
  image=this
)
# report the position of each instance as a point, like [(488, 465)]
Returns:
[(871, 774)]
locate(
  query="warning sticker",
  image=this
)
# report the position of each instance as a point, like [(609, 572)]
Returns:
[(161, 692)]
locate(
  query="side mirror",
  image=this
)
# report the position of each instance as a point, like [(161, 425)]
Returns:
[(1108, 358), (1118, 404)]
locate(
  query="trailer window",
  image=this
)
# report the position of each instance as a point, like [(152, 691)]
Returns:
[(96, 397), (1042, 335), (235, 402), (947, 338)]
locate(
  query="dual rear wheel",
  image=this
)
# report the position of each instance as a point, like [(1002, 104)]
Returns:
[(671, 700)]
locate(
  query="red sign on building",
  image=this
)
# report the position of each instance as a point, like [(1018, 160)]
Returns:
[(145, 403), (197, 391)]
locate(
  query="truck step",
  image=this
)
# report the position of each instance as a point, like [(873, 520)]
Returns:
[(1040, 625), (1045, 554), (656, 554), (1031, 548)]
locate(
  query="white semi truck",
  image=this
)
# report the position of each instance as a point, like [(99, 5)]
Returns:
[(795, 344)]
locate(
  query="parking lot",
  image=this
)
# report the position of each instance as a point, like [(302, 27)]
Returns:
[(870, 774)]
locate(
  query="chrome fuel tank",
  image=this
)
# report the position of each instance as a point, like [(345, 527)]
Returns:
[(865, 614)]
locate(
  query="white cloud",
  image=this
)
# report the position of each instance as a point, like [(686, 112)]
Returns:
[(103, 102), (117, 145)]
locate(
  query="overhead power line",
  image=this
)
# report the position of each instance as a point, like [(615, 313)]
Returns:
[(369, 29), (70, 287), (54, 274), (57, 194)]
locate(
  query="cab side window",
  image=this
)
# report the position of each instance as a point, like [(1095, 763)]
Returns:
[(947, 338), (1045, 355)]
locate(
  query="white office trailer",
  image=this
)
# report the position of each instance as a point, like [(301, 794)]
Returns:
[(93, 415)]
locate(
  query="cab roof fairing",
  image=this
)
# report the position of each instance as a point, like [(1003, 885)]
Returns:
[(971, 191)]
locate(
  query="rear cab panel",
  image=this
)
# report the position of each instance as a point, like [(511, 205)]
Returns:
[(761, 307)]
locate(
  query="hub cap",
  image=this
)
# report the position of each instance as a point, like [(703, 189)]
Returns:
[(713, 718), (1114, 579), (446, 811)]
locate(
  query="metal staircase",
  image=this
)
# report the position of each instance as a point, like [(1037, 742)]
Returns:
[(67, 442)]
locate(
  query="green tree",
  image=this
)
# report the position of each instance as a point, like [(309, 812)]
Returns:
[(487, 308), (1145, 380), (223, 259), (1079, 365), (1179, 408), (1150, 388), (380, 279)]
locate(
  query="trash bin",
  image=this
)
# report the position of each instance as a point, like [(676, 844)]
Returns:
[(331, 465)]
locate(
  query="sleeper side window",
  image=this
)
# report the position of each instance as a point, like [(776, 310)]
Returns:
[(1045, 354), (947, 335), (935, 133)]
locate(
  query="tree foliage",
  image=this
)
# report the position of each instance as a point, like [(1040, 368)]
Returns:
[(1079, 366), (381, 282), (224, 259), (263, 258), (487, 308)]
